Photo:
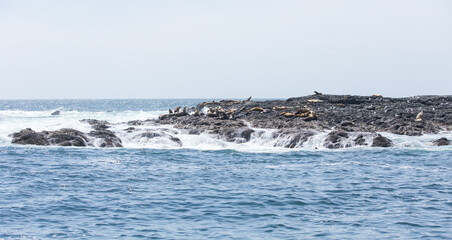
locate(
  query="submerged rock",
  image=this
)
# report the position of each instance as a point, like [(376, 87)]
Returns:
[(56, 113), (441, 142), (108, 138)]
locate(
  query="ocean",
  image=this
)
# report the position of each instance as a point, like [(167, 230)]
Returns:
[(210, 188)]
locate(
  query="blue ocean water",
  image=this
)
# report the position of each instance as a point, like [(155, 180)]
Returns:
[(185, 193)]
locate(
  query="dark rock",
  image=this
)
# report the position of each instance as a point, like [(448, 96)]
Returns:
[(334, 139), (129, 129), (94, 122), (291, 138), (56, 113), (441, 142), (67, 137), (360, 141), (101, 126), (381, 141), (62, 137), (109, 139), (246, 133), (150, 134), (29, 137)]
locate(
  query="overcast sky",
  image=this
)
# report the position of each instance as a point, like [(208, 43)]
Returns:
[(208, 48)]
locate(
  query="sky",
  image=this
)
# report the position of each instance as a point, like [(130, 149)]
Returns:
[(53, 49)]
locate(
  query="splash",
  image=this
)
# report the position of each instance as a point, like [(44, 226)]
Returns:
[(167, 137)]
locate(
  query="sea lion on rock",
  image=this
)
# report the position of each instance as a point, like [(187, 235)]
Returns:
[(196, 113), (170, 111), (279, 108), (302, 110), (248, 99), (315, 101), (318, 93), (311, 116), (418, 116), (177, 109), (258, 109)]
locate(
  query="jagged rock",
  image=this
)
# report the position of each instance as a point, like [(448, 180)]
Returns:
[(109, 139), (129, 129), (238, 135), (441, 142), (335, 138), (29, 137), (66, 137), (360, 141), (381, 141), (100, 127), (62, 137), (94, 122), (56, 113), (296, 137)]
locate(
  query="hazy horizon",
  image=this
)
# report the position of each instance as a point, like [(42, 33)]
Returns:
[(235, 49)]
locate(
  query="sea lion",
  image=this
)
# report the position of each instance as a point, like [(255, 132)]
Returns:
[(314, 101), (259, 109), (170, 111), (248, 99), (56, 113), (280, 108), (311, 116), (185, 109), (377, 95), (177, 109), (318, 93), (302, 110), (196, 114), (418, 117)]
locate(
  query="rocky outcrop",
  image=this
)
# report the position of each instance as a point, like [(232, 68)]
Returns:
[(107, 138), (66, 137), (381, 141), (29, 137), (441, 142), (335, 139), (355, 120), (292, 138)]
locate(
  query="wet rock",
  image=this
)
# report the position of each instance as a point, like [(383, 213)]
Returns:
[(292, 138), (150, 134), (360, 140), (335, 138), (238, 135), (381, 141), (56, 113), (129, 129), (101, 127), (66, 137), (62, 137), (441, 142), (94, 122), (29, 137), (108, 138)]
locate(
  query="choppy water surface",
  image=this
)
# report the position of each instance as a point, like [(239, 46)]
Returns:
[(149, 193)]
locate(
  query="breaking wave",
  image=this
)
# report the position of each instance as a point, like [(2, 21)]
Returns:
[(261, 140)]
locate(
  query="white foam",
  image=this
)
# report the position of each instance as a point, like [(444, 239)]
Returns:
[(262, 140)]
